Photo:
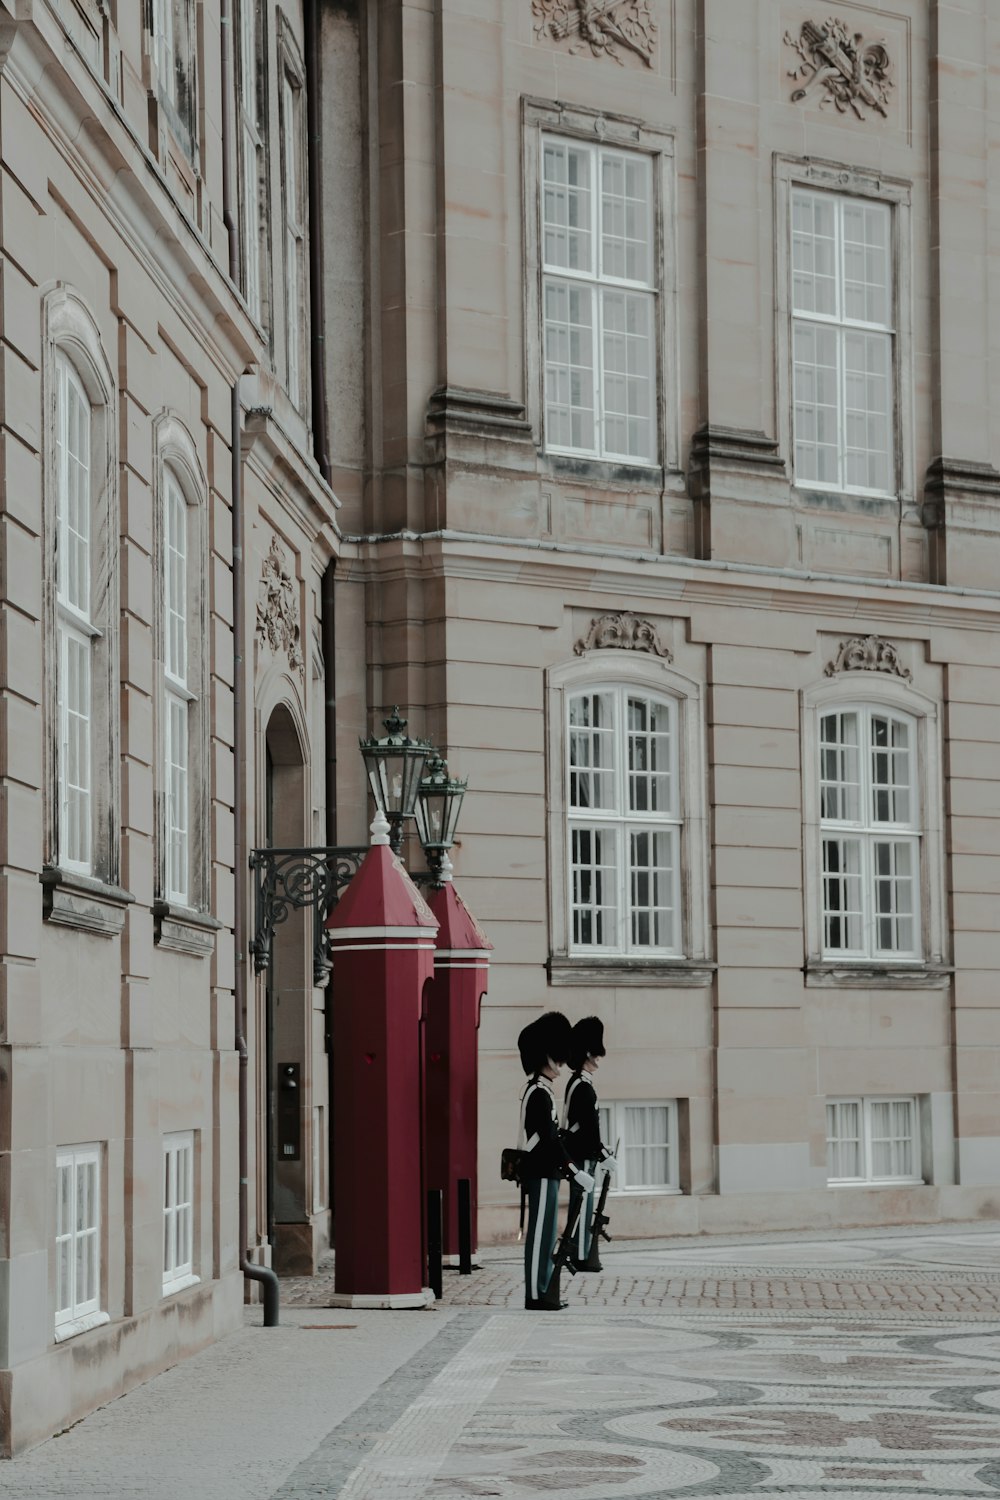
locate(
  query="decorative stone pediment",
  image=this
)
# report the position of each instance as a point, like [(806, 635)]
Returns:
[(278, 606), (607, 28), (839, 67), (868, 653), (623, 632)]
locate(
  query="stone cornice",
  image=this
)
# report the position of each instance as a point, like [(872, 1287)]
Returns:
[(89, 129), (684, 581)]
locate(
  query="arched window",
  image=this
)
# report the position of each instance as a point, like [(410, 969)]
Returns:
[(81, 529), (872, 802), (177, 691), (76, 628), (871, 833), (627, 821), (623, 821), (183, 820)]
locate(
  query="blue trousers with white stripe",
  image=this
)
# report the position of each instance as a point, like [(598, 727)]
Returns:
[(540, 1241)]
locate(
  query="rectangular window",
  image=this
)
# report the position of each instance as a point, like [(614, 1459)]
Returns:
[(647, 1140), (178, 1211), (177, 695), (872, 1140), (598, 301), (78, 1235), (843, 343), (624, 823), (294, 205), (870, 832), (251, 149), (75, 629), (174, 56)]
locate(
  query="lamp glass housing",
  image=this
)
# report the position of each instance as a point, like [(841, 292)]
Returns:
[(394, 765), (438, 806)]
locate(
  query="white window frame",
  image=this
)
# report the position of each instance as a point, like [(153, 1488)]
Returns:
[(292, 105), (865, 1105), (613, 1117), (178, 697), (893, 695), (865, 832), (848, 182), (173, 49), (73, 357), (620, 822), (180, 479), (250, 54), (179, 1209), (78, 1314), (840, 326), (596, 129), (76, 630), (630, 672), (592, 283)]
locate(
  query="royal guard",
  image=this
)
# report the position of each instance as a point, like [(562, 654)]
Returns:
[(582, 1132), (543, 1045)]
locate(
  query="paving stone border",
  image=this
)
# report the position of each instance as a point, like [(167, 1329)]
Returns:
[(330, 1464)]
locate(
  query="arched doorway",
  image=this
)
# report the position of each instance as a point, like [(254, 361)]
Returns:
[(293, 1065)]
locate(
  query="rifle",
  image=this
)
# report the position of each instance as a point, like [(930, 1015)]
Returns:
[(597, 1229)]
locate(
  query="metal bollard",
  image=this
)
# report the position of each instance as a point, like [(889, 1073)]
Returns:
[(435, 1209), (464, 1226)]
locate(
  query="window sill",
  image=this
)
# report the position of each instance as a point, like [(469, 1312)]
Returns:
[(646, 1192), (181, 929), (70, 1329), (606, 473), (677, 973), (181, 1284), (874, 976), (875, 1182), (80, 901)]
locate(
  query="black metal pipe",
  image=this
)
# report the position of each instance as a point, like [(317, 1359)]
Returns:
[(317, 301), (328, 627), (464, 1226), (435, 1258), (263, 1274)]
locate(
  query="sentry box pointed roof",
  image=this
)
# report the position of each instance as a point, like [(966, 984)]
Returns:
[(381, 895), (458, 932)]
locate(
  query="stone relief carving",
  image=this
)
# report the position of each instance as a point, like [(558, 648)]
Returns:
[(278, 606), (606, 27), (840, 66), (625, 632), (868, 653)]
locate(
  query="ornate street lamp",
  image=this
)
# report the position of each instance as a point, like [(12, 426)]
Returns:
[(438, 805), (395, 764)]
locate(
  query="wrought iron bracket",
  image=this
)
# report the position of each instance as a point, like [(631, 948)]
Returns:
[(287, 880)]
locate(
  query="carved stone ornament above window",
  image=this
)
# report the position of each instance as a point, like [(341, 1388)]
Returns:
[(624, 632), (841, 67), (278, 606), (608, 28), (868, 653)]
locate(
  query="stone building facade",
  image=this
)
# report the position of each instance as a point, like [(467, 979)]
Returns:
[(683, 527), (614, 392), (132, 138)]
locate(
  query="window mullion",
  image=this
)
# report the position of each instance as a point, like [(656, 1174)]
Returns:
[(624, 852)]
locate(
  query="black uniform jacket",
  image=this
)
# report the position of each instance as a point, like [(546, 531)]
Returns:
[(581, 1122), (540, 1138)]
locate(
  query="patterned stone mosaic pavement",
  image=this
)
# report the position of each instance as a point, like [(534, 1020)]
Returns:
[(651, 1405), (796, 1367)]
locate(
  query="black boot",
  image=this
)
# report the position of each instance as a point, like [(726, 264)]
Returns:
[(549, 1301)]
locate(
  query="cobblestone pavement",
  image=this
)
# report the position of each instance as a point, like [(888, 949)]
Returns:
[(793, 1365)]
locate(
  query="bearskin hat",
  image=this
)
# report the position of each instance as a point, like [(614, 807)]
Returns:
[(546, 1037), (586, 1040)]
